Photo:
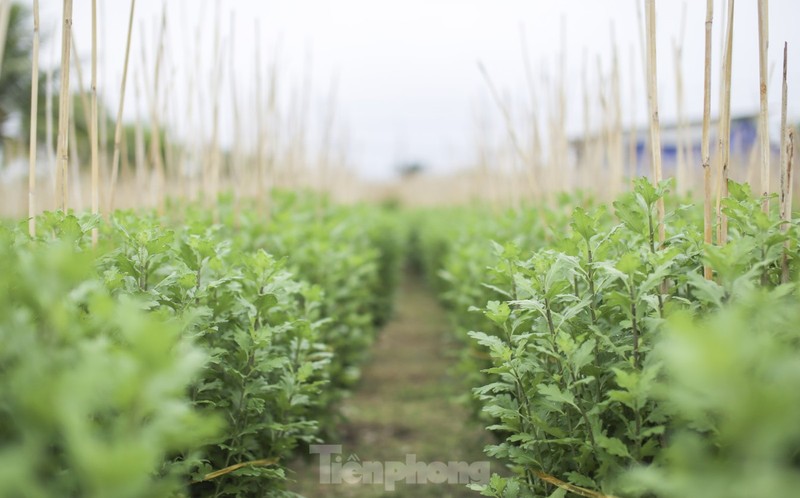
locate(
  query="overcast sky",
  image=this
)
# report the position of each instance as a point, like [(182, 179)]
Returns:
[(408, 83)]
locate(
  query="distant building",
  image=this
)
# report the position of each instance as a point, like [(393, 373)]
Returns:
[(744, 136)]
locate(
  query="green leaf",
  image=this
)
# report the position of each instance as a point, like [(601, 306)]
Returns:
[(497, 312), (613, 445), (554, 394)]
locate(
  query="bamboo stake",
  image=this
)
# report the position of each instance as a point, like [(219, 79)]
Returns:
[(705, 145), (725, 127), (787, 198), (62, 176), (34, 119), (641, 23), (93, 127), (763, 121), (784, 124), (120, 109), (787, 151), (652, 99)]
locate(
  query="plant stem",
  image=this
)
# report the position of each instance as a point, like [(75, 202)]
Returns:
[(634, 326)]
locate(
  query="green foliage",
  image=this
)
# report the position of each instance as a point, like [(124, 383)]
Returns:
[(261, 329), (730, 381), (93, 387), (568, 379)]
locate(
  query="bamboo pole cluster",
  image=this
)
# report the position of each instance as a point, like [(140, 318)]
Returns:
[(179, 150), (596, 158), (174, 156)]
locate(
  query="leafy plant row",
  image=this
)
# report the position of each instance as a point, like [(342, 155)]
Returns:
[(606, 364), (182, 357)]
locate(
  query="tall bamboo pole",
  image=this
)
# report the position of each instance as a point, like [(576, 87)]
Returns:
[(787, 206), (34, 117), (725, 127), (652, 100), (62, 184), (93, 127), (763, 116), (787, 150), (705, 145), (120, 109)]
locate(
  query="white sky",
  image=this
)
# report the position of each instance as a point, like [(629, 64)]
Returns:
[(408, 83)]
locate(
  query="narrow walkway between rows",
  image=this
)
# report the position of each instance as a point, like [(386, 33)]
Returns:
[(405, 404)]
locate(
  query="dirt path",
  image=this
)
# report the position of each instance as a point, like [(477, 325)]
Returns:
[(405, 404)]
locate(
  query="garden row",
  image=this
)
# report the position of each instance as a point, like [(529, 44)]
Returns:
[(183, 357), (605, 363)]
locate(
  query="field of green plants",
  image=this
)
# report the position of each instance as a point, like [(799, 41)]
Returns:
[(604, 361), (183, 357), (641, 344)]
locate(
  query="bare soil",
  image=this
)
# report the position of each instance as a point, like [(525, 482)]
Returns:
[(406, 403)]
